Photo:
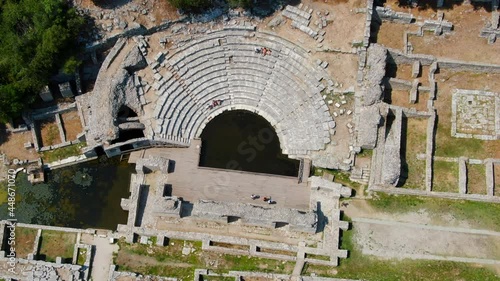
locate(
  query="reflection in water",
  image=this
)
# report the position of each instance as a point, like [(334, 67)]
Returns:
[(83, 195), (241, 140)]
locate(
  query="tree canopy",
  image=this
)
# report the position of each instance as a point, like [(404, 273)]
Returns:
[(37, 38), (191, 5)]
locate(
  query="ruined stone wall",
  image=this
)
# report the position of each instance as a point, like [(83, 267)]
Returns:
[(392, 151), (397, 57)]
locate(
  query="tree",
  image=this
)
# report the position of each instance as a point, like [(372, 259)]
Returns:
[(191, 5), (37, 37), (245, 4)]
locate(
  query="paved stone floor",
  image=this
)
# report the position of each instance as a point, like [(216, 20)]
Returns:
[(193, 183), (103, 257)]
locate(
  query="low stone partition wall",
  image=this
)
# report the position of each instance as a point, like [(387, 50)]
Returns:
[(53, 110), (399, 58), (462, 175), (68, 162), (368, 23), (445, 195), (388, 14), (239, 275), (114, 275), (55, 228), (429, 150)]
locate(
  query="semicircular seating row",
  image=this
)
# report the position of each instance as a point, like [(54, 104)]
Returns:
[(284, 88)]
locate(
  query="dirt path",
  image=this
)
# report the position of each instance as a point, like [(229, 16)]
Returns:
[(418, 235), (359, 208), (389, 239), (103, 257)]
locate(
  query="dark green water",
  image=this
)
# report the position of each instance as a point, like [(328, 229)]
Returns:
[(86, 195), (241, 140)]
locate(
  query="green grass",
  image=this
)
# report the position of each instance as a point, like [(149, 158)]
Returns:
[(358, 266), (63, 152), (82, 254), (3, 192), (416, 137), (340, 177), (416, 174), (365, 153), (449, 146), (57, 244), (169, 261), (477, 214), (476, 179), (445, 177)]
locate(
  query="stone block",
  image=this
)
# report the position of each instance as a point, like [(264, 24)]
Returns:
[(494, 19), (490, 178), (414, 91), (492, 38), (46, 95), (462, 175), (415, 70), (438, 31), (65, 89)]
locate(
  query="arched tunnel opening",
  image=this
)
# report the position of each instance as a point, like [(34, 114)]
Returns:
[(242, 140), (129, 125)]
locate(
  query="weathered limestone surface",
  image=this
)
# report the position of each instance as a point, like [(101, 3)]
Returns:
[(462, 175), (490, 177), (134, 60), (392, 152), (111, 92), (255, 215), (388, 14), (414, 91), (376, 63), (369, 120), (338, 189)]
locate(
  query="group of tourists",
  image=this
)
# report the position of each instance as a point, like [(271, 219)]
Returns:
[(264, 51), (265, 198), (215, 103)]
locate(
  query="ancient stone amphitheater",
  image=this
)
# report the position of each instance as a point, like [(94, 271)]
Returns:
[(283, 87)]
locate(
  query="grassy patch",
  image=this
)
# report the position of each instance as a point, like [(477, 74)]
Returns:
[(476, 179), (448, 146), (477, 214), (365, 153), (25, 241), (445, 177), (340, 177), (82, 255), (415, 144), (3, 192), (416, 174), (57, 244), (358, 266), (63, 152), (169, 260)]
